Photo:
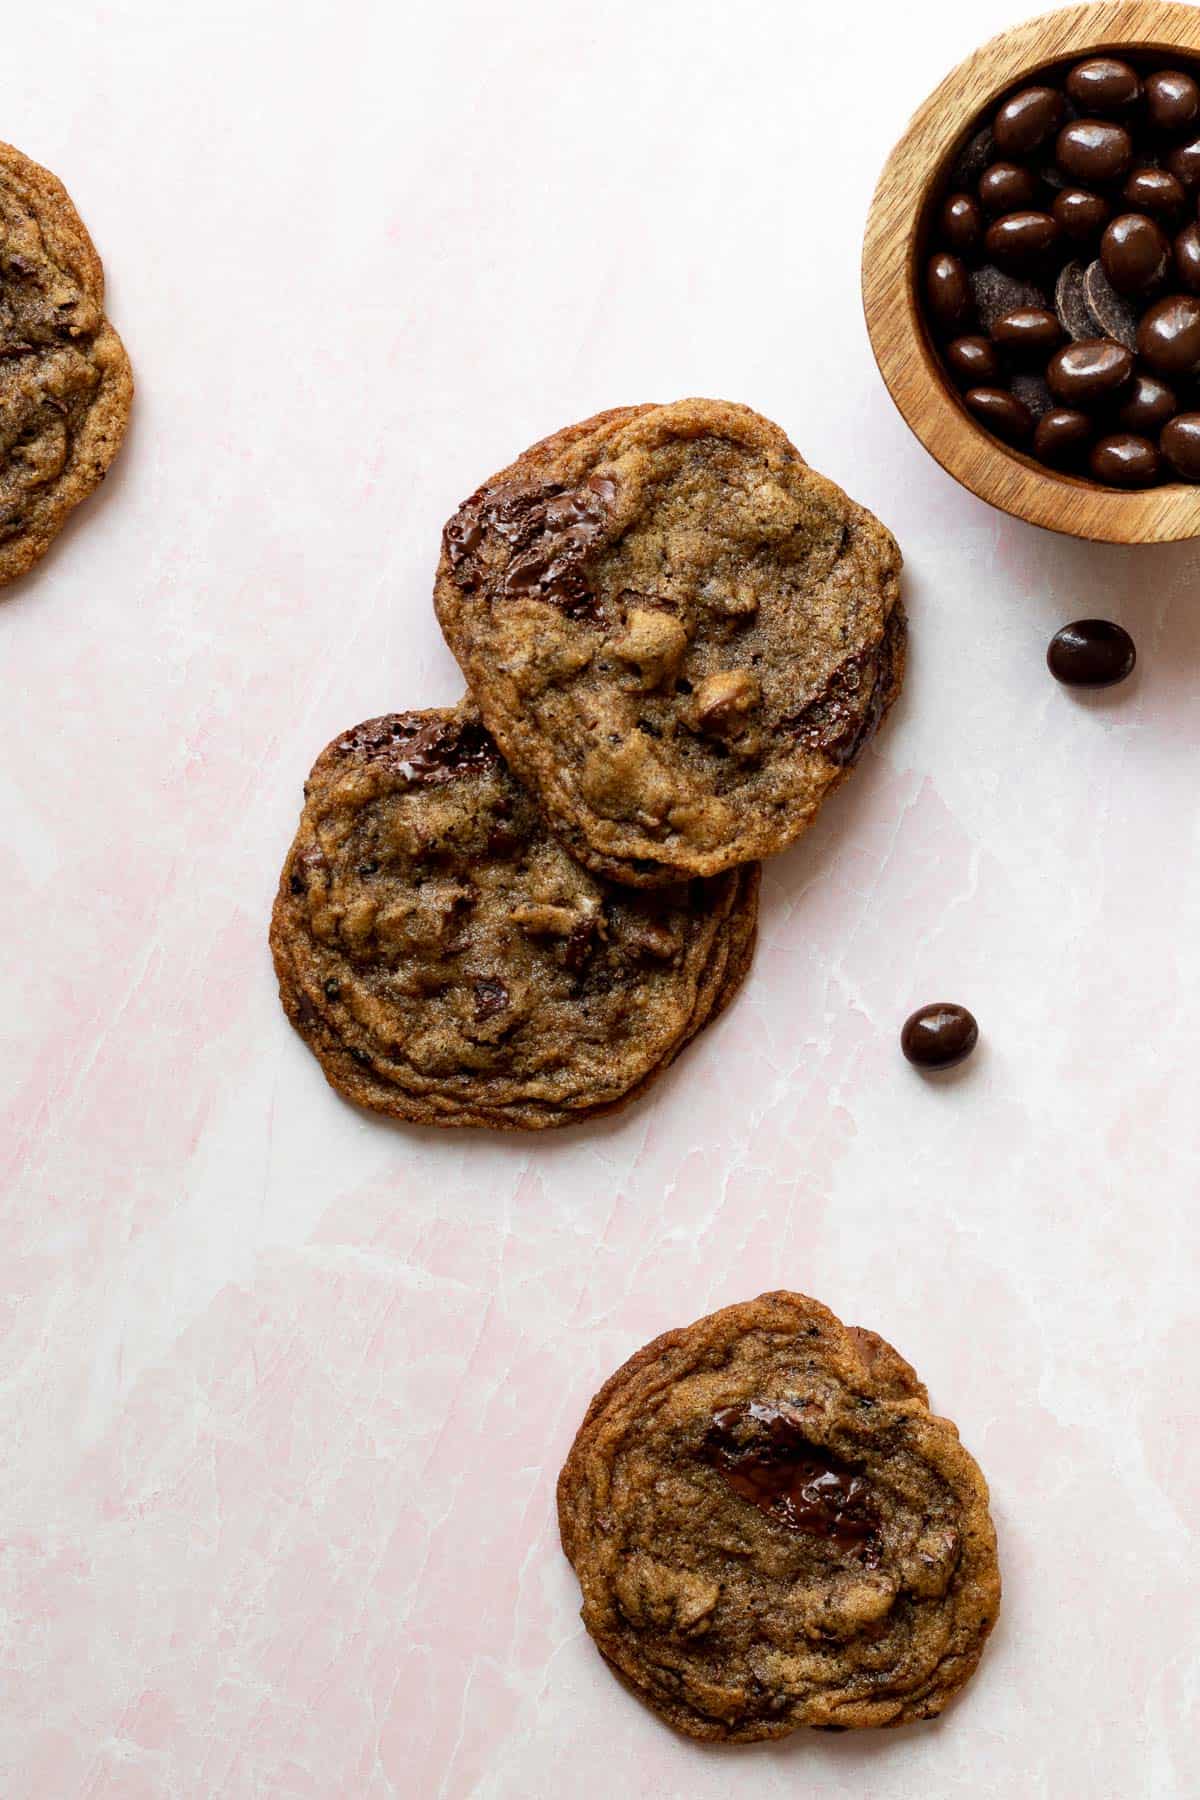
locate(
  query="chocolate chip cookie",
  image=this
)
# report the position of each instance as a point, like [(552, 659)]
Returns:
[(680, 635), (65, 383), (771, 1529), (449, 963)]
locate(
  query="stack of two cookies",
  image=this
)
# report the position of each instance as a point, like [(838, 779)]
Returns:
[(517, 911)]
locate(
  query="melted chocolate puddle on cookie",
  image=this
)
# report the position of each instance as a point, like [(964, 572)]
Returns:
[(421, 751), (838, 722), (764, 1456), (549, 529)]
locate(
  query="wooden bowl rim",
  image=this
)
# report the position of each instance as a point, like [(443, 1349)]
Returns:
[(1005, 478)]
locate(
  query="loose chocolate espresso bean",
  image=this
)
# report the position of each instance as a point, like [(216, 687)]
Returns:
[(939, 1036), (1172, 100), (1081, 215), (1030, 332), (1104, 85), (962, 223), (974, 361), (1147, 406), (1093, 150), (1022, 240), (1006, 188), (1169, 335), (1187, 258), (1135, 251), (1027, 120), (948, 291), (1062, 436), (1180, 444), (1124, 460), (1089, 372), (1091, 653), (1001, 412)]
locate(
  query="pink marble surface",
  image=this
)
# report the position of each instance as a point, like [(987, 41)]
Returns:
[(283, 1389)]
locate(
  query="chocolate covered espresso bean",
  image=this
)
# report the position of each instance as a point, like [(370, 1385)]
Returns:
[(1080, 215), (1104, 85), (1062, 437), (1124, 460), (974, 360), (1172, 100), (1025, 122), (1093, 150), (948, 290), (939, 1036), (1091, 371), (1022, 240), (962, 222), (1135, 251), (1155, 191), (1169, 335), (1028, 331), (1006, 188), (1002, 412), (1091, 653), (1180, 444), (1147, 406)]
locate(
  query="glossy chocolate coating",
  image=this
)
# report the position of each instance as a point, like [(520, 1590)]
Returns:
[(1147, 406), (1081, 215), (1061, 437), (948, 291), (761, 1450), (1022, 240), (1006, 188), (1028, 331), (938, 1036), (1135, 251), (1124, 460), (1027, 120), (1169, 335), (1187, 258), (974, 360), (1001, 412), (1155, 191), (1172, 100), (1180, 444), (1103, 85), (1088, 372), (962, 222), (1093, 150), (1091, 653)]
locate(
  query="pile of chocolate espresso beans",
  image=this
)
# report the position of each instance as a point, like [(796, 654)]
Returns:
[(1062, 271)]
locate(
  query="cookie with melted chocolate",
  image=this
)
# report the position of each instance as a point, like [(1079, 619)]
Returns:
[(771, 1529), (65, 383), (449, 963), (680, 635)]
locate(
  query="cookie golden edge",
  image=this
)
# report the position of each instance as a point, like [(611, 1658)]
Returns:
[(561, 806), (869, 1358), (102, 430), (729, 961)]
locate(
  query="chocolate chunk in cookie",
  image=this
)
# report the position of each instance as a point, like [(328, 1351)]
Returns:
[(680, 635), (65, 385), (448, 962), (771, 1529)]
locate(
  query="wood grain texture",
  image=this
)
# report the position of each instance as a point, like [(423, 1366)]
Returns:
[(1014, 482)]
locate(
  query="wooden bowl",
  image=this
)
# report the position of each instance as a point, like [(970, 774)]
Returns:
[(895, 231)]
